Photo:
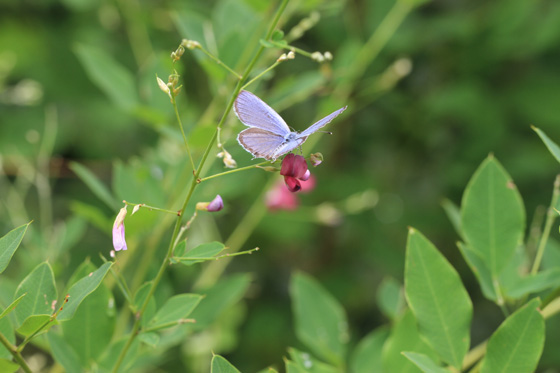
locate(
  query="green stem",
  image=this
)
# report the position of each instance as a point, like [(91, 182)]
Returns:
[(168, 325), (219, 62), (290, 47), (15, 353), (197, 171), (174, 102), (180, 258), (550, 217), (261, 74), (151, 207), (231, 171)]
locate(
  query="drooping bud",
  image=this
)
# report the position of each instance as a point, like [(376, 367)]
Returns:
[(215, 205), (316, 159), (164, 87), (190, 44), (136, 208), (119, 242), (229, 162)]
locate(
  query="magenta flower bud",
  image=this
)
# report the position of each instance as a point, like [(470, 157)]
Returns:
[(216, 205), (294, 168), (119, 242)]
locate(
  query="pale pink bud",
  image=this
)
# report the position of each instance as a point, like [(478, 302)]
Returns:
[(119, 242)]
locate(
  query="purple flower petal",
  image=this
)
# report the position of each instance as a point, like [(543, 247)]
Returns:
[(216, 205)]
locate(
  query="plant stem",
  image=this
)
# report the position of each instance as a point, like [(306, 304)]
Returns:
[(197, 171), (231, 172), (261, 74), (174, 102), (219, 62), (550, 217), (169, 325), (290, 47), (15, 353), (151, 207), (180, 258)]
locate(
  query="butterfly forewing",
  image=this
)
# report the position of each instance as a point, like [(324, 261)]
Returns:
[(254, 112), (260, 143), (321, 123)]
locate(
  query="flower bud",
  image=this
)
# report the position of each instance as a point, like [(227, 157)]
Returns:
[(317, 56), (190, 44), (216, 205), (283, 57), (291, 55), (316, 159), (328, 56), (163, 86), (229, 162)]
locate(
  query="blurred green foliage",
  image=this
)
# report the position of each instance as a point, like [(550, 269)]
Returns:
[(481, 73)]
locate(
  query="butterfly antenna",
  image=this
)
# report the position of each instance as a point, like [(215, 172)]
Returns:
[(327, 132)]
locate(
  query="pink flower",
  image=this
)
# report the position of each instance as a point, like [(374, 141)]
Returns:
[(280, 198), (294, 169), (216, 205), (119, 242)]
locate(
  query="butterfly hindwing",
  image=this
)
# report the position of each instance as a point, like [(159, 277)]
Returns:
[(259, 142), (254, 112)]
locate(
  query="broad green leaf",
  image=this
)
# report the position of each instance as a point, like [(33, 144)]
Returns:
[(404, 337), (480, 270), (266, 43), (438, 299), (151, 339), (94, 184), (110, 76), (534, 283), (7, 330), (320, 321), (453, 214), (390, 298), (12, 305), (366, 357), (82, 289), (424, 362), (307, 363), (109, 358), (268, 370), (292, 367), (277, 35), (41, 292), (201, 253), (518, 343), (33, 323), (175, 309), (63, 353), (221, 365), (9, 244), (551, 145), (219, 297), (140, 298), (492, 215), (91, 328), (8, 366)]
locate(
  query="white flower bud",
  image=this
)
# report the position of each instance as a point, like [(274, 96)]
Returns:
[(291, 55), (317, 56), (328, 56)]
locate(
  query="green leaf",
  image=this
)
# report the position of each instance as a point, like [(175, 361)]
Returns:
[(480, 270), (12, 305), (94, 184), (33, 323), (218, 298), (320, 321), (390, 298), (492, 215), (277, 35), (175, 309), (63, 353), (109, 358), (7, 330), (221, 365), (140, 298), (203, 252), (41, 292), (90, 330), (109, 75), (551, 145), (151, 339), (404, 337), (9, 244), (307, 363), (8, 366), (424, 362), (534, 283), (366, 357), (82, 289), (438, 299), (292, 367), (518, 343), (453, 214)]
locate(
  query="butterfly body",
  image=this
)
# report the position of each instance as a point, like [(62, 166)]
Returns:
[(268, 135)]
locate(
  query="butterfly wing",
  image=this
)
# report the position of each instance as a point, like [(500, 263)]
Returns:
[(321, 123), (288, 146), (261, 143), (254, 112)]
